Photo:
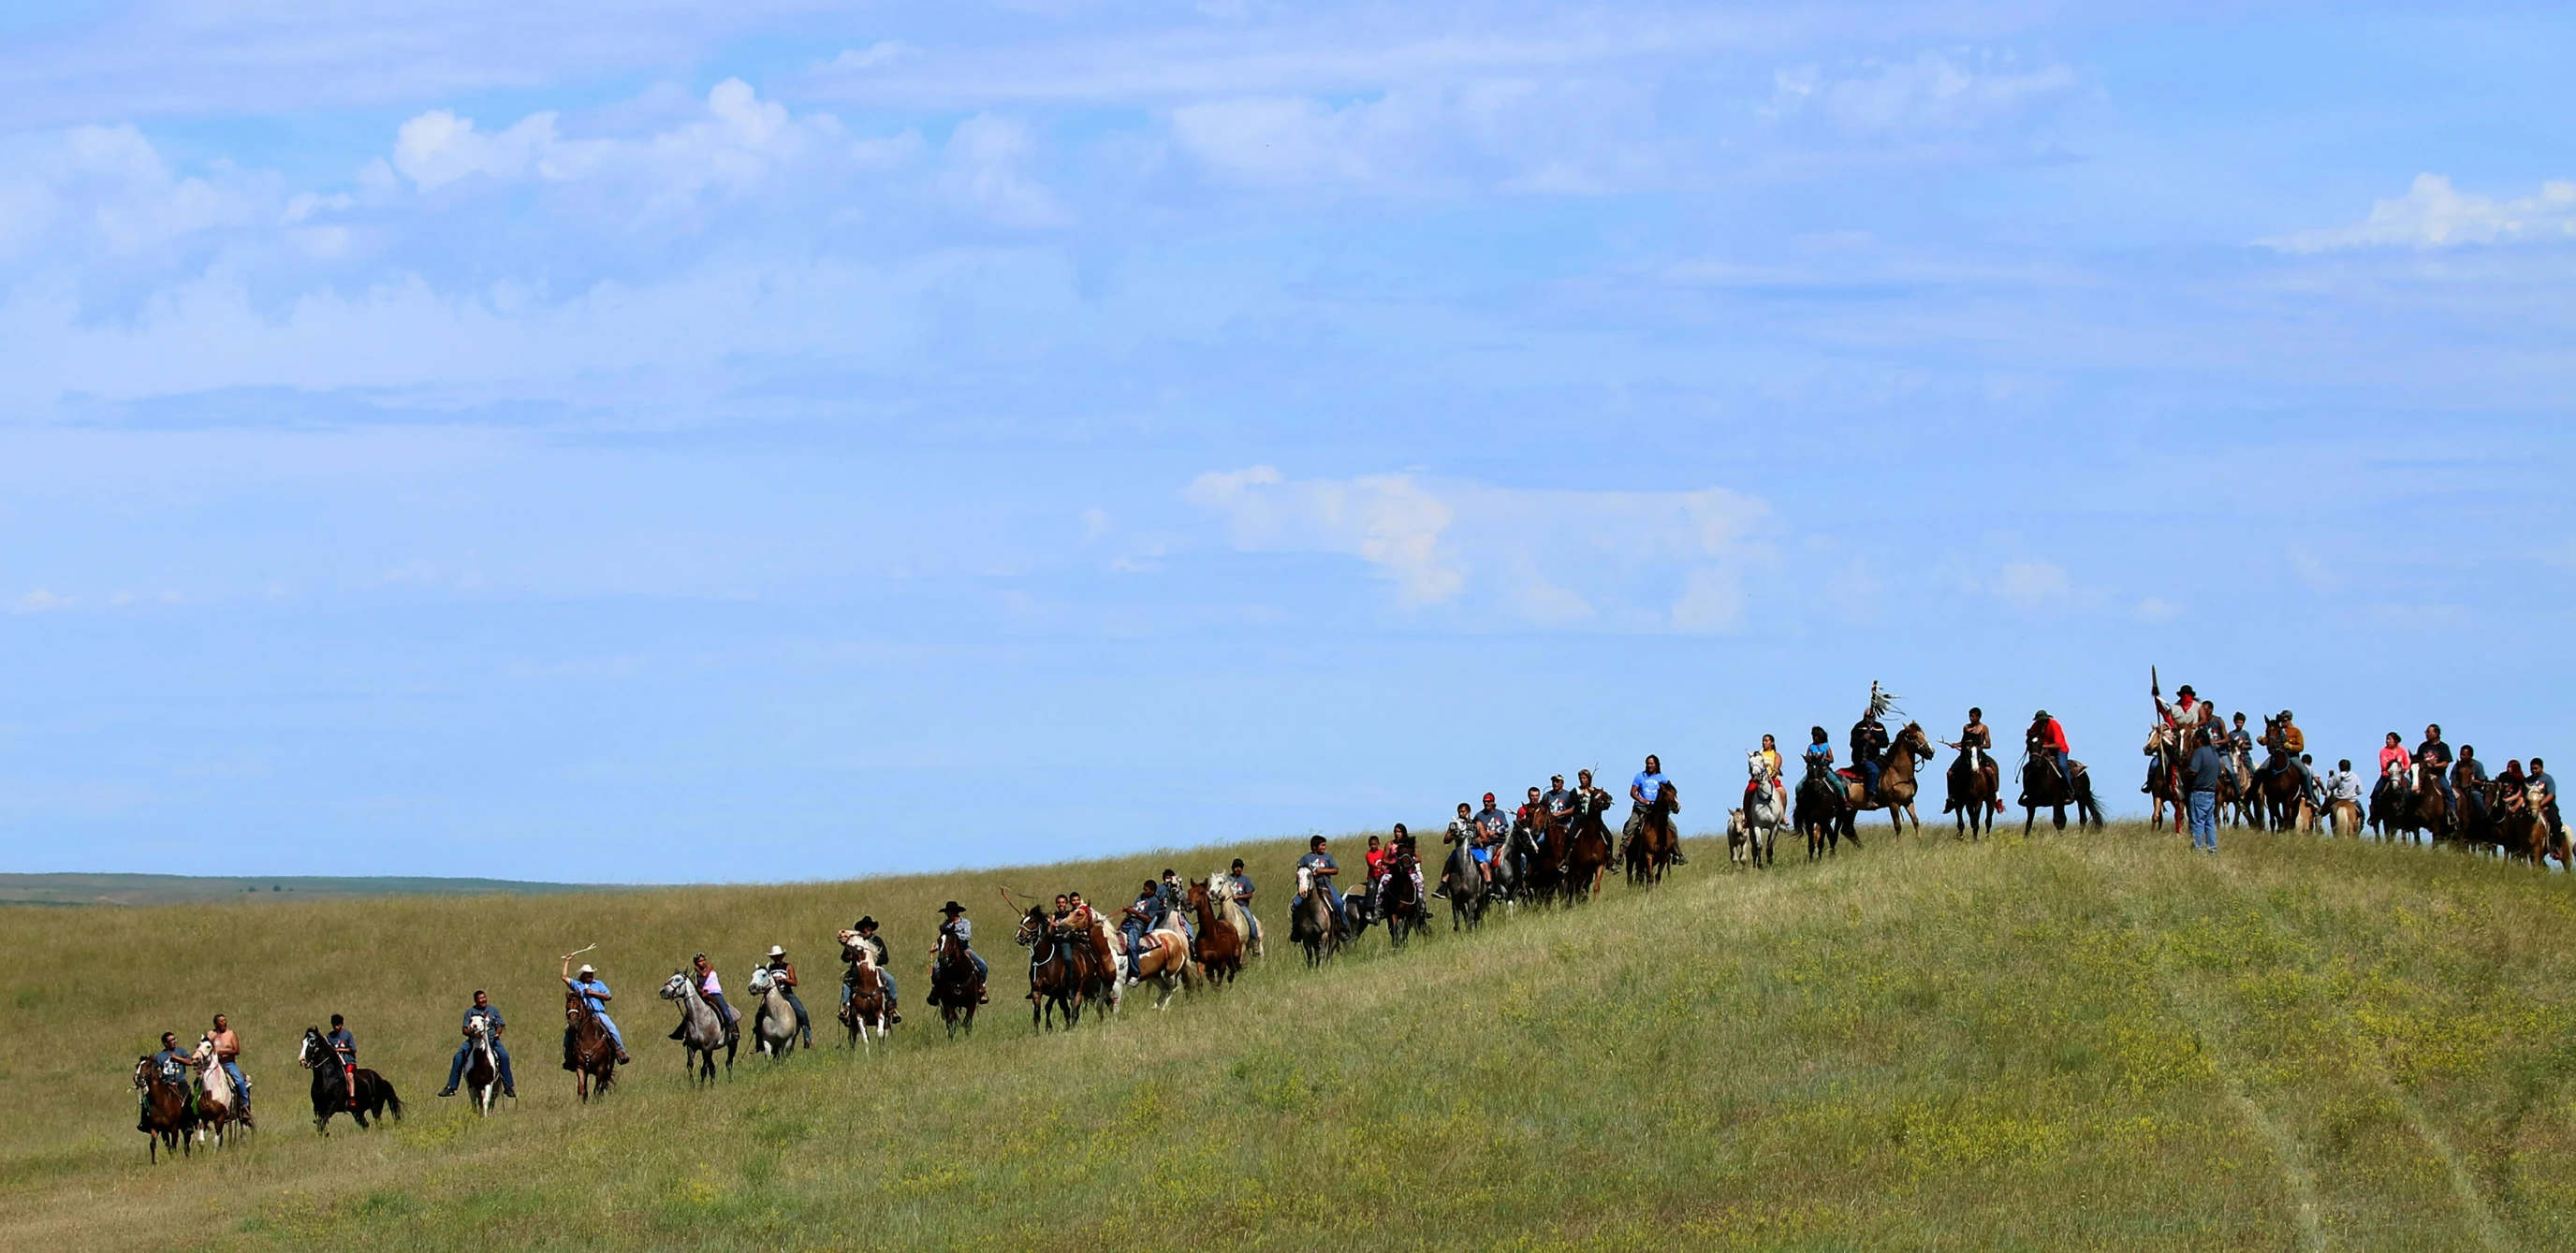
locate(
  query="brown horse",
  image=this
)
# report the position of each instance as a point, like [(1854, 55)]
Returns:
[(1896, 786), (1544, 842), (2426, 809), (590, 1053), (169, 1116), (1587, 850), (2170, 749), (1650, 851), (1975, 794), (1057, 971), (867, 1007), (1220, 949), (954, 986)]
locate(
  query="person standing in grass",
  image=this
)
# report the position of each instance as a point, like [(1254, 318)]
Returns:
[(2207, 766), (492, 1025)]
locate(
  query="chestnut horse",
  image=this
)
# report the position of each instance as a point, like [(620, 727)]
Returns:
[(1587, 850), (1057, 970), (169, 1117), (1650, 851), (1220, 945), (590, 1051)]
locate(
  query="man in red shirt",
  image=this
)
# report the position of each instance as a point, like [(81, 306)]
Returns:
[(2047, 739)]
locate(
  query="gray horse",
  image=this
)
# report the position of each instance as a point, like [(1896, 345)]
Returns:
[(702, 1030), (775, 1032), (1465, 884)]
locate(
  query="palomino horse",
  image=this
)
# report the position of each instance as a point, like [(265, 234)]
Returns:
[(1753, 832), (2042, 788), (333, 1094), (1896, 786), (702, 1029), (1229, 906), (1650, 851), (773, 1027), (1587, 850), (1163, 958), (1463, 878), (482, 1069), (1313, 924), (1974, 795), (1220, 942), (954, 986), (169, 1118), (590, 1053), (867, 1009), (1824, 812), (219, 1108)]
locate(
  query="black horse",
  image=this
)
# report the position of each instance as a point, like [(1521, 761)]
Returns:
[(374, 1097), (954, 986), (1406, 911), (1822, 811), (2042, 787)]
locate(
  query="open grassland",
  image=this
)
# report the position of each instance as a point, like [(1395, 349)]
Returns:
[(2075, 1041)]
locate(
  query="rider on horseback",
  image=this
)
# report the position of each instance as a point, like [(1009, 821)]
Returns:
[(594, 998), (711, 988), (492, 1025), (1869, 745), (1243, 899), (1321, 869), (1176, 904), (228, 1050), (345, 1047), (1465, 830), (176, 1067), (864, 933), (1642, 791), (2046, 741), (1138, 918), (1819, 755), (953, 922), (2538, 780), (782, 975), (1976, 754), (2286, 739), (2433, 752)]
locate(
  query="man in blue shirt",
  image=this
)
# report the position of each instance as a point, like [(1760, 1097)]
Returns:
[(1243, 899), (1642, 792), (594, 997), (492, 1025), (1138, 918), (2547, 787), (345, 1047), (175, 1067), (1323, 868), (2207, 766)]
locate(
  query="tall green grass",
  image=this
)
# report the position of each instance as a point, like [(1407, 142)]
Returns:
[(2072, 1041)]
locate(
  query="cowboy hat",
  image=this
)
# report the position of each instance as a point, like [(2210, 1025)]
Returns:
[(865, 921), (587, 969), (952, 907), (776, 951)]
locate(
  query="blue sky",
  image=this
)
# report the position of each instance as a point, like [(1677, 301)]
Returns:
[(661, 441)]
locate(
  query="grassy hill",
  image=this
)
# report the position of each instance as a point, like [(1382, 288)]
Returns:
[(2096, 1041), (175, 889)]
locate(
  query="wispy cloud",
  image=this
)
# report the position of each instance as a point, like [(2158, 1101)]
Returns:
[(2434, 214)]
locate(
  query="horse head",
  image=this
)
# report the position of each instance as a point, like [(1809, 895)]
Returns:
[(312, 1048), (474, 1028), (677, 986), (760, 981), (1758, 765), (143, 1071), (1914, 740)]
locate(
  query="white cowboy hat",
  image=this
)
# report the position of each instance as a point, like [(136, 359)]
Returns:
[(587, 969), (776, 951)]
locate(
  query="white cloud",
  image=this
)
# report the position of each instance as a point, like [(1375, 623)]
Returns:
[(106, 191), (2032, 584), (982, 170), (39, 601), (439, 147), (1559, 136), (1933, 91), (2434, 214), (1636, 560), (878, 55)]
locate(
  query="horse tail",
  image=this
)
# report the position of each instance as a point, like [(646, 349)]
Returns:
[(393, 1100)]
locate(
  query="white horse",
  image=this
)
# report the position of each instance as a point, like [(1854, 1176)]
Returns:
[(482, 1068), (775, 1031), (1753, 832), (219, 1107), (1220, 890)]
